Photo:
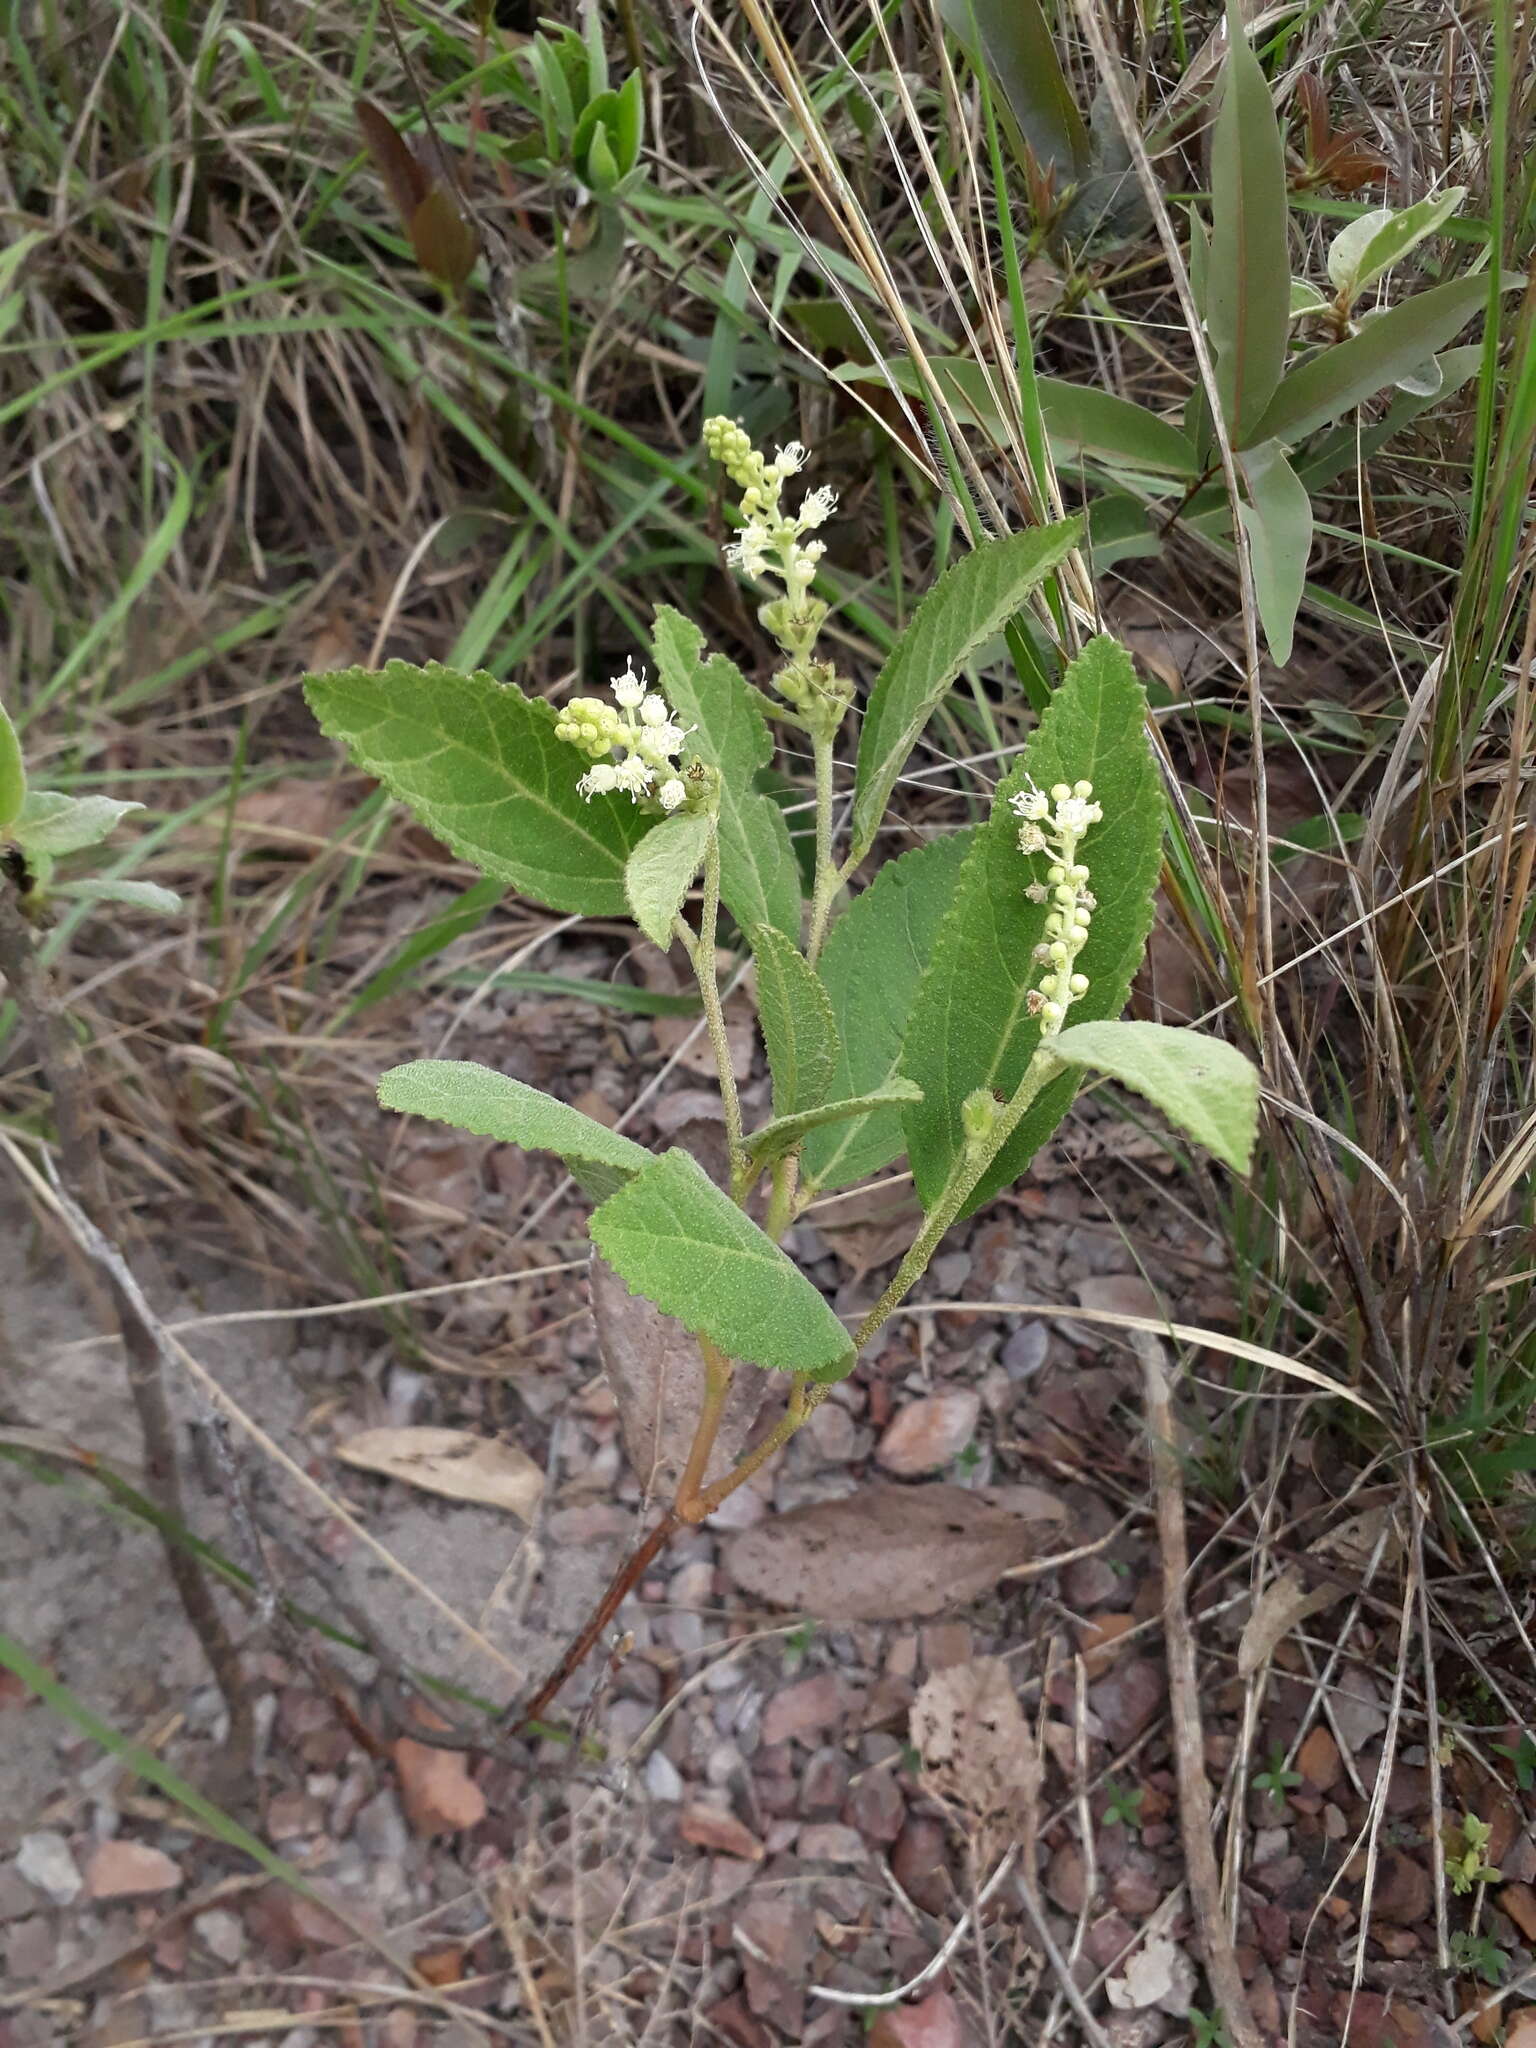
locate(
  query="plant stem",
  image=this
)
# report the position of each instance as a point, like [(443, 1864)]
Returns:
[(972, 1164), (827, 877), (709, 989), (619, 1588), (83, 1177), (781, 1203), (718, 1374), (801, 1402)]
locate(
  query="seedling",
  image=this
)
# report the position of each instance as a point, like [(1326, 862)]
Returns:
[(1275, 1779), (1465, 1863), (948, 1009), (1122, 1805), (1522, 1756), (1479, 1955), (1208, 2030)]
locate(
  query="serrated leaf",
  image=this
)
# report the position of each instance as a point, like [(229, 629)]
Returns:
[(759, 875), (969, 605), (799, 1029), (1278, 520), (491, 1105), (1247, 298), (971, 1026), (1391, 346), (785, 1132), (13, 773), (478, 763), (1360, 255), (52, 823), (674, 1237), (1200, 1083), (661, 871), (137, 895), (871, 966)]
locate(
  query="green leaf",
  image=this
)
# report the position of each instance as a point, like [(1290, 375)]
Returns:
[(1395, 345), (971, 1026), (1200, 1083), (1021, 55), (492, 1105), (478, 763), (785, 1132), (52, 823), (661, 871), (1278, 519), (674, 1237), (799, 1029), (969, 605), (1349, 444), (759, 876), (1248, 287), (1082, 419), (1305, 298), (871, 966), (13, 773), (137, 895), (1370, 244)]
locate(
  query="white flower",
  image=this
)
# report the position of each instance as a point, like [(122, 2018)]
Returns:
[(791, 458), (752, 549), (653, 710), (1031, 839), (598, 781), (818, 507), (633, 777), (671, 794), (628, 689), (1032, 804), (1074, 816)]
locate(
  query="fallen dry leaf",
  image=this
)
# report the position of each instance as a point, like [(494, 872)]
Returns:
[(436, 1790), (657, 1376), (120, 1869), (453, 1462), (887, 1553), (1283, 1605), (978, 1750), (1158, 1971)]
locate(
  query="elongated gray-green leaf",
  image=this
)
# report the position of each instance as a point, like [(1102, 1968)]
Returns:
[(492, 1105), (871, 966), (1202, 1084), (759, 875), (1248, 282), (785, 1132), (1278, 519), (971, 1027), (478, 763), (674, 1237), (970, 603), (1394, 344), (799, 1030), (661, 871), (51, 822)]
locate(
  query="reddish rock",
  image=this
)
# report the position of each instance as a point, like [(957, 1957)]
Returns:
[(931, 2022), (775, 1937), (921, 1866), (1108, 1938), (732, 2019), (929, 1434), (1127, 1700), (436, 1790), (1100, 1641), (1318, 1759), (804, 1708), (1404, 1892), (1090, 1582), (831, 1842), (1382, 2021), (1066, 1878), (1137, 1888), (130, 1870), (824, 1783), (876, 1806)]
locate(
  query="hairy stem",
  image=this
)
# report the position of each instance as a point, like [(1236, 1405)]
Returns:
[(620, 1587), (827, 876), (718, 1374), (709, 989), (83, 1177), (970, 1167)]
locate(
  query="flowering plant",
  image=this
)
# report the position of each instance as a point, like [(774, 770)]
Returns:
[(947, 1008)]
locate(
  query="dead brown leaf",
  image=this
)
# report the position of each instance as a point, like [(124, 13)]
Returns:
[(978, 1751), (452, 1462), (887, 1553), (657, 1376)]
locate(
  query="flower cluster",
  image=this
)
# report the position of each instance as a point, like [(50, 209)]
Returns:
[(1054, 823), (772, 540), (641, 728)]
